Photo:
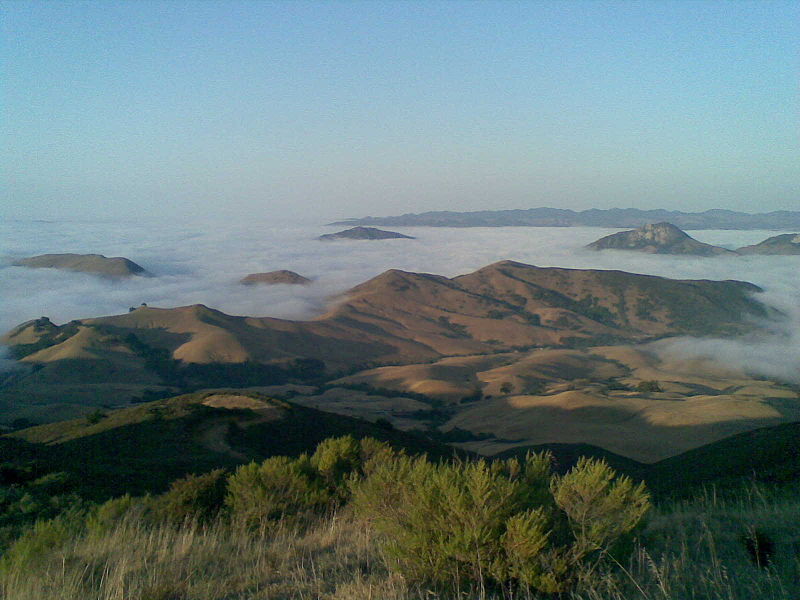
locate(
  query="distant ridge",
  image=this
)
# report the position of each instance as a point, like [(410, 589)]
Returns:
[(613, 217)]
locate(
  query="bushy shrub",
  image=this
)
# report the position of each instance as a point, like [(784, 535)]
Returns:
[(335, 458), (648, 386), (504, 523), (194, 497), (285, 487), (602, 508), (103, 517), (276, 488), (40, 539)]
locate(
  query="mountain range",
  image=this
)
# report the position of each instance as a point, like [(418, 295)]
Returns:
[(614, 217), (396, 318)]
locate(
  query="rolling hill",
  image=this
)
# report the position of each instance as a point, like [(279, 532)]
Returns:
[(275, 277), (393, 319)]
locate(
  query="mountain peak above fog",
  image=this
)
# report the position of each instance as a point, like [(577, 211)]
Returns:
[(95, 264), (787, 243), (657, 238), (364, 233), (275, 277)]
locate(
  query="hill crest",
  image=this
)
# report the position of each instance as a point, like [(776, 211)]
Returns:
[(281, 276)]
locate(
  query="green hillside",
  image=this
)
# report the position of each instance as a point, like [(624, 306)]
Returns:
[(143, 448)]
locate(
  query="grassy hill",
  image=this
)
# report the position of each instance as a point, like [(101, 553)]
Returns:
[(143, 448)]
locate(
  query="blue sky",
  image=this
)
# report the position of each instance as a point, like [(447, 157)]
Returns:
[(161, 109)]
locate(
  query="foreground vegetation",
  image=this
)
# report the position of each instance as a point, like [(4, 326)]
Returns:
[(359, 520)]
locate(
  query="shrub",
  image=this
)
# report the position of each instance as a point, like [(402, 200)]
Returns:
[(285, 487), (276, 488), (602, 508), (447, 522), (504, 523), (34, 545), (648, 386), (104, 517), (95, 417), (194, 497), (335, 458)]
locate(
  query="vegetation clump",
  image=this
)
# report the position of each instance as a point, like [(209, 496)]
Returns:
[(286, 488), (501, 524), (356, 519), (648, 386)]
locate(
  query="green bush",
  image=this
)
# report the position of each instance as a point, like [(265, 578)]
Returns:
[(276, 488), (35, 544), (198, 497), (506, 523), (648, 386), (602, 508), (335, 458), (285, 487), (103, 517), (95, 417)]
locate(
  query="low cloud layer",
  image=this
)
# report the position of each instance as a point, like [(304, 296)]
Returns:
[(775, 354), (202, 263)]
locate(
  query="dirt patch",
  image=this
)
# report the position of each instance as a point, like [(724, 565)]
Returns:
[(213, 435), (236, 401)]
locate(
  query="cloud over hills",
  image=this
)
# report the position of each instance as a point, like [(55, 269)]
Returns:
[(202, 263)]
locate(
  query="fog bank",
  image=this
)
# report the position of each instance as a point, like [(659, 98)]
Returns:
[(202, 262)]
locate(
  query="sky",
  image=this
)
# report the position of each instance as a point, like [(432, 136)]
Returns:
[(324, 110)]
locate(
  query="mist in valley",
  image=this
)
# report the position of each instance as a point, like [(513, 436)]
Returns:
[(202, 262)]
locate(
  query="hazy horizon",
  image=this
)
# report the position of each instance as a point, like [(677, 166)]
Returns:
[(259, 110)]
